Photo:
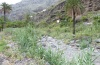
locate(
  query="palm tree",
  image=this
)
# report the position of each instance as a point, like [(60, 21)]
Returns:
[(73, 7), (6, 9)]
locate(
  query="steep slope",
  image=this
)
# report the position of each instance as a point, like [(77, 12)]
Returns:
[(29, 6), (52, 13)]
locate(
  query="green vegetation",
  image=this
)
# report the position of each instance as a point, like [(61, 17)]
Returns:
[(15, 24), (27, 42), (60, 31), (84, 59), (27, 34), (27, 37), (5, 9), (2, 45)]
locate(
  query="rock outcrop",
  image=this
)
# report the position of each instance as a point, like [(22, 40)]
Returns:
[(91, 5)]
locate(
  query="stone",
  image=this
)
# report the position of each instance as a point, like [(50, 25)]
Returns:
[(11, 45), (43, 40), (96, 51), (47, 63), (97, 40), (53, 46), (44, 45), (87, 23), (97, 63), (77, 45), (72, 41), (98, 47), (50, 39), (1, 60)]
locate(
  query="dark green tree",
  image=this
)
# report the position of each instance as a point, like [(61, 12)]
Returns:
[(5, 9), (1, 22)]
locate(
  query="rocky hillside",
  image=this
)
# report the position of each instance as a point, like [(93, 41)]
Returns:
[(52, 13), (29, 6)]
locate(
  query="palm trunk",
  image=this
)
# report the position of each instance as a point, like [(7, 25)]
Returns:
[(4, 14), (2, 27), (4, 18), (73, 22), (74, 25)]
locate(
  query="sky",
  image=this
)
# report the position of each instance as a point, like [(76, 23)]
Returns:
[(10, 1)]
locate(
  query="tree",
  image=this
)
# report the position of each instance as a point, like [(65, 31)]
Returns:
[(73, 7), (1, 22), (6, 9)]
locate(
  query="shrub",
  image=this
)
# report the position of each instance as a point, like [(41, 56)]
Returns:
[(96, 23), (25, 38), (42, 24), (54, 58), (15, 24), (97, 19)]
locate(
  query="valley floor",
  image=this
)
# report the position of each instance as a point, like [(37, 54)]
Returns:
[(11, 55)]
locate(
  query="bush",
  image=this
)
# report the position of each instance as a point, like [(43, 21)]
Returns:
[(97, 23), (25, 38), (97, 19), (42, 24), (15, 24)]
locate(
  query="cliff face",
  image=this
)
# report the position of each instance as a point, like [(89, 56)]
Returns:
[(91, 5), (51, 14)]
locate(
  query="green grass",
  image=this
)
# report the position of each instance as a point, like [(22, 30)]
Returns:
[(27, 37), (2, 45), (65, 32), (85, 58)]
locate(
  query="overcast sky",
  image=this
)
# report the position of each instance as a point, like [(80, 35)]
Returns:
[(10, 1)]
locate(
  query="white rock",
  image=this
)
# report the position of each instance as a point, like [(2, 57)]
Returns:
[(58, 21)]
